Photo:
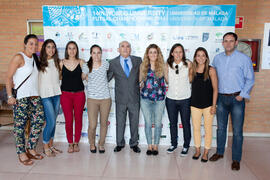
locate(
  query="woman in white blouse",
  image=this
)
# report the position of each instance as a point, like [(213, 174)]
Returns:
[(98, 97), (49, 89), (178, 76)]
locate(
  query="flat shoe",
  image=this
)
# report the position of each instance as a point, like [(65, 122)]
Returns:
[(26, 162), (76, 147), (155, 152), (196, 157), (55, 150), (48, 152), (148, 152), (70, 148), (34, 156)]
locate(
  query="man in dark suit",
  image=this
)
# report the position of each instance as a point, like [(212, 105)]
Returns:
[(125, 70)]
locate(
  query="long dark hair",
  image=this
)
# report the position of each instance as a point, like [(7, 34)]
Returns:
[(90, 62), (66, 50), (43, 63), (170, 59), (206, 64)]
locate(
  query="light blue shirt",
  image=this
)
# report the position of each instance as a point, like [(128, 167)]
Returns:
[(122, 62), (235, 73)]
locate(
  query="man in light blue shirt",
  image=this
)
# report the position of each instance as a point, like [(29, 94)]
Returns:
[(235, 81)]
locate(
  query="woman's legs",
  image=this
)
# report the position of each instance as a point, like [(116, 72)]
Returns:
[(92, 110), (79, 102), (66, 100), (105, 108)]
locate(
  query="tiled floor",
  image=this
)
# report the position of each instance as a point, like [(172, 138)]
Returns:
[(126, 165)]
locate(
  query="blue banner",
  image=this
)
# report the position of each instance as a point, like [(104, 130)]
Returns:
[(140, 15)]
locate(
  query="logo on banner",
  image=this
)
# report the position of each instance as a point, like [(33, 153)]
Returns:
[(85, 49), (82, 37), (107, 49), (192, 37), (178, 37), (123, 35), (95, 35), (109, 35), (219, 37), (57, 35), (205, 37), (153, 125), (163, 36), (135, 36), (69, 35), (150, 36)]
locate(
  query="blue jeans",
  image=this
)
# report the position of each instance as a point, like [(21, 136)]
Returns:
[(51, 109), (226, 105), (152, 113), (173, 109)]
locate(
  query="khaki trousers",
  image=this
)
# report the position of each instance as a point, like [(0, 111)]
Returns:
[(95, 107), (197, 114)]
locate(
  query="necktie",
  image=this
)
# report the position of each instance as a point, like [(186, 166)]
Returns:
[(126, 67)]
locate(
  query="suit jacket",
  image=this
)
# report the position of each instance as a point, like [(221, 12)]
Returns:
[(127, 89)]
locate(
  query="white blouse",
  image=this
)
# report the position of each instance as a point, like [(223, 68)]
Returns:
[(179, 87), (49, 83)]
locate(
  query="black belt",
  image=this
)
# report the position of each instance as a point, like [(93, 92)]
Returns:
[(232, 94)]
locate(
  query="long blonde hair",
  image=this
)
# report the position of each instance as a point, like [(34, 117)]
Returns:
[(206, 64), (159, 65)]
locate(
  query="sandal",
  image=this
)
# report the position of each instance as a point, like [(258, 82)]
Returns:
[(26, 162), (76, 147), (35, 156), (70, 148), (48, 152), (55, 150)]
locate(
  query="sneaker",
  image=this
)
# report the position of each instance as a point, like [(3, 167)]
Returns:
[(184, 152), (171, 149)]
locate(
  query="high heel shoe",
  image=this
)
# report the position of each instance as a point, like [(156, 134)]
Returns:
[(101, 149), (204, 160), (93, 150)]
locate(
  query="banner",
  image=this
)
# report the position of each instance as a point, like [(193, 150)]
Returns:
[(191, 25)]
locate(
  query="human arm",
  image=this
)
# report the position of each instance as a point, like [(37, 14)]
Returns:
[(110, 72), (166, 73), (249, 79), (214, 81), (190, 71), (16, 62), (85, 71)]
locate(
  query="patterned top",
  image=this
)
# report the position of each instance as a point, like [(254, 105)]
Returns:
[(154, 88), (97, 84)]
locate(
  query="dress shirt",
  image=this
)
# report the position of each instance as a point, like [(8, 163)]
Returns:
[(235, 73), (122, 62)]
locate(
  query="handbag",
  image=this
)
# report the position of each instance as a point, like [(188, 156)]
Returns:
[(14, 91)]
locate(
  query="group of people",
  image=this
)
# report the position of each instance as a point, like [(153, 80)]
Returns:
[(193, 89)]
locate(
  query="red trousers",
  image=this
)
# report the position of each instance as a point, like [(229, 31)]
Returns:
[(72, 104)]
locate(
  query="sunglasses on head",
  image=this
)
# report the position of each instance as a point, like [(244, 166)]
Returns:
[(177, 70)]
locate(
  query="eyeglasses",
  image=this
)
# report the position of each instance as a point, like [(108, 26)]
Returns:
[(177, 70)]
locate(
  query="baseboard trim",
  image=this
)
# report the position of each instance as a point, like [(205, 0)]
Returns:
[(253, 134)]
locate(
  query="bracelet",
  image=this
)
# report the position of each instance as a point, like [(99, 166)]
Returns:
[(10, 97)]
